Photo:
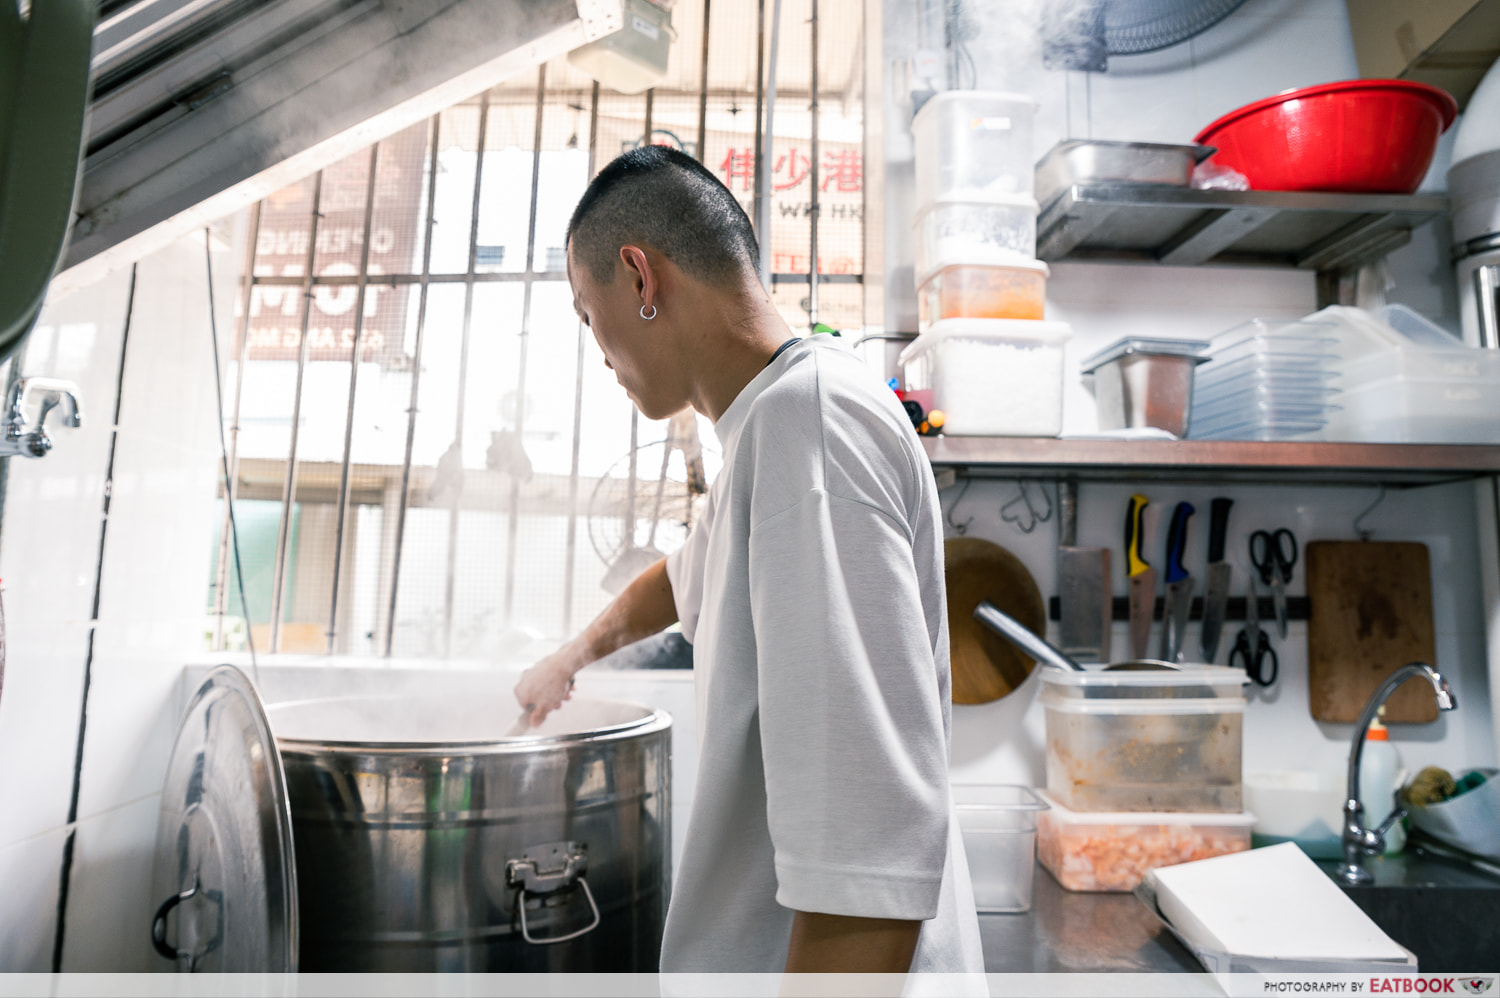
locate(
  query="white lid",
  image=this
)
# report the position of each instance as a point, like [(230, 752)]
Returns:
[(1056, 812), (974, 199), (1007, 262), (1142, 705), (1031, 331), (996, 98), (1202, 675)]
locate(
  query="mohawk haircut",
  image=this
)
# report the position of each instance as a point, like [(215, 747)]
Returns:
[(666, 200)]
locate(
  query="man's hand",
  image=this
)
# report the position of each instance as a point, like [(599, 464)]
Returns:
[(545, 686), (644, 608), (844, 944)]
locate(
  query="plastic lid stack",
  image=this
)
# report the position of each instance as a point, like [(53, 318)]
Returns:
[(980, 289)]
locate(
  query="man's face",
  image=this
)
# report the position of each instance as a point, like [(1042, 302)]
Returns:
[(633, 348)]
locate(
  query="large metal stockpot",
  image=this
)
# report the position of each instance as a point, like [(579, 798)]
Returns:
[(425, 839)]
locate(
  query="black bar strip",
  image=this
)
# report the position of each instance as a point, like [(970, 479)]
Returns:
[(1297, 608)]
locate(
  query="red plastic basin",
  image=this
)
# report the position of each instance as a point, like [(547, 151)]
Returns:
[(1357, 136)]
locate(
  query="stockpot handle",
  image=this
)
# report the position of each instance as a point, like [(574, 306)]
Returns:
[(526, 932), (159, 921)]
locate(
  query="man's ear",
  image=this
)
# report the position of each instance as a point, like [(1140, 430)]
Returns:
[(642, 275)]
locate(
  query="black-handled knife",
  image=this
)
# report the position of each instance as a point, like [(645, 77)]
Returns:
[(1219, 574)]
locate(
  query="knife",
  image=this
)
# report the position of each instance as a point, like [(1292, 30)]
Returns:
[(1142, 579), (1179, 587), (1082, 585), (1219, 574)]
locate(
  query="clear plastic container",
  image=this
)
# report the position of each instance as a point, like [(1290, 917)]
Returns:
[(1474, 365), (951, 290), (1140, 754), (1102, 851), (974, 145), (1420, 410), (1269, 372), (1000, 231), (1310, 429), (990, 377), (998, 824), (1416, 328)]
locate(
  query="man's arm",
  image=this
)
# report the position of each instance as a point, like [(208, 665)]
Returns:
[(844, 944), (645, 607)]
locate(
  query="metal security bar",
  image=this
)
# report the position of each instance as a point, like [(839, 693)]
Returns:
[(376, 492)]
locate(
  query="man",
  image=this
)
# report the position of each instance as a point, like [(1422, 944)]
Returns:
[(812, 589)]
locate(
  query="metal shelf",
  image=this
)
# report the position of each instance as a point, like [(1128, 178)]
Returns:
[(1184, 227), (1095, 459)]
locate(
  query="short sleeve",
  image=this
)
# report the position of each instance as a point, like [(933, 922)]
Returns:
[(851, 721)]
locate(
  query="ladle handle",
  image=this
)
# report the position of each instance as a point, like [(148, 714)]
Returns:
[(1016, 633)]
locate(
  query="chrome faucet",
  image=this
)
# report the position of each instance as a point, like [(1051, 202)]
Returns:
[(54, 393), (1360, 841)]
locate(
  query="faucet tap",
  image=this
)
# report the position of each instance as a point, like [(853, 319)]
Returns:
[(54, 393), (1358, 840)]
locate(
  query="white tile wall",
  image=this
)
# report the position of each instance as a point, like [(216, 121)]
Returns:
[(156, 564), (29, 871), (108, 927)]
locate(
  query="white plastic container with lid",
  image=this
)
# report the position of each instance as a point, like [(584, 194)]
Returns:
[(958, 289), (990, 377), (1169, 740), (998, 824), (1113, 851), (999, 231), (974, 145)]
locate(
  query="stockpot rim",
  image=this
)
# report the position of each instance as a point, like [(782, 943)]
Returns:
[(657, 720)]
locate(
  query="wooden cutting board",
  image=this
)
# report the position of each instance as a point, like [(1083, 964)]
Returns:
[(1371, 613), (986, 666)]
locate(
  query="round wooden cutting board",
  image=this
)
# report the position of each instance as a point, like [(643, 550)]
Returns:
[(986, 666)]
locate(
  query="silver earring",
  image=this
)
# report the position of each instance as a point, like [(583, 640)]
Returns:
[(648, 318)]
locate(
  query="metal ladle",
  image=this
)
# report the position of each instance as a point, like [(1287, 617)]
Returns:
[(1038, 648)]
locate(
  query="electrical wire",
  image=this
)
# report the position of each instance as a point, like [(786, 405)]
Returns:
[(234, 532)]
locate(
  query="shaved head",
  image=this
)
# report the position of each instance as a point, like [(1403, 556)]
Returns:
[(659, 197)]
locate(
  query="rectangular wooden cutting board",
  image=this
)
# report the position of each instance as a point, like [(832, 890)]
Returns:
[(1371, 613)]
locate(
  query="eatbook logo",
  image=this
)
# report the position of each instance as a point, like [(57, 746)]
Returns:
[(1478, 985)]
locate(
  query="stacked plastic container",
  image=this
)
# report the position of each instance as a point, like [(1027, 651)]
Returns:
[(985, 357), (1144, 769), (1406, 380), (1267, 380)]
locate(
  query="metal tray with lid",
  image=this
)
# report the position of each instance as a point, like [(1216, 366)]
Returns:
[(1151, 164)]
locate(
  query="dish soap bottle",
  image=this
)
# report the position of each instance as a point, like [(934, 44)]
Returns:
[(1379, 778)]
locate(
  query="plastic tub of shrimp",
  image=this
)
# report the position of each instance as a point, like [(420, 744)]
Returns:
[(1102, 851)]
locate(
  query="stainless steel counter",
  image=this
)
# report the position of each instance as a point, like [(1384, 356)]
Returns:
[(1073, 932)]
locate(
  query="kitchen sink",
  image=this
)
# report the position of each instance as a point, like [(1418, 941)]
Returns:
[(1443, 908)]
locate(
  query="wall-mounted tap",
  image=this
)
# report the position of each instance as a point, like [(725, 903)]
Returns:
[(53, 393), (1360, 841)]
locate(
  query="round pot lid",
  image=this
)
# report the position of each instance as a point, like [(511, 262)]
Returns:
[(225, 877)]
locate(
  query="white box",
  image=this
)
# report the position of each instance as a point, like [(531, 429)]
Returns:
[(990, 377)]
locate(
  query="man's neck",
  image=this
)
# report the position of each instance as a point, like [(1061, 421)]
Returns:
[(731, 355)]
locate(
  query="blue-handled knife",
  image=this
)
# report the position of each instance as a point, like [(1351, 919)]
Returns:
[(1179, 587)]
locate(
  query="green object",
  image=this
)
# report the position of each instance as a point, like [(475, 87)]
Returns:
[(44, 88), (1469, 781), (823, 327)]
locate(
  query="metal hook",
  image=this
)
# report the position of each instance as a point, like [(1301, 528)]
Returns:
[(1033, 516), (959, 528), (1363, 534)]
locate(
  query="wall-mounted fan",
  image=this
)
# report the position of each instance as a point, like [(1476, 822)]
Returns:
[(1083, 34)]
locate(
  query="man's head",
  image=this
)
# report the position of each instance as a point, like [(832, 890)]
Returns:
[(660, 254), (663, 199)]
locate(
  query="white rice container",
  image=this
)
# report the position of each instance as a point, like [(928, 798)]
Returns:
[(990, 377)]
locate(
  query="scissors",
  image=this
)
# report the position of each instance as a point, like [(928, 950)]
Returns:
[(1252, 649), (1273, 555)]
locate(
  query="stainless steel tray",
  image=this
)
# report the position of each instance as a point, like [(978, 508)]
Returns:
[(1078, 161)]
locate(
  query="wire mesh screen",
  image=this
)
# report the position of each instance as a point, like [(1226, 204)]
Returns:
[(431, 458)]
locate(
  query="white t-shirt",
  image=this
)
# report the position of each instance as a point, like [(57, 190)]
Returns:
[(812, 590)]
